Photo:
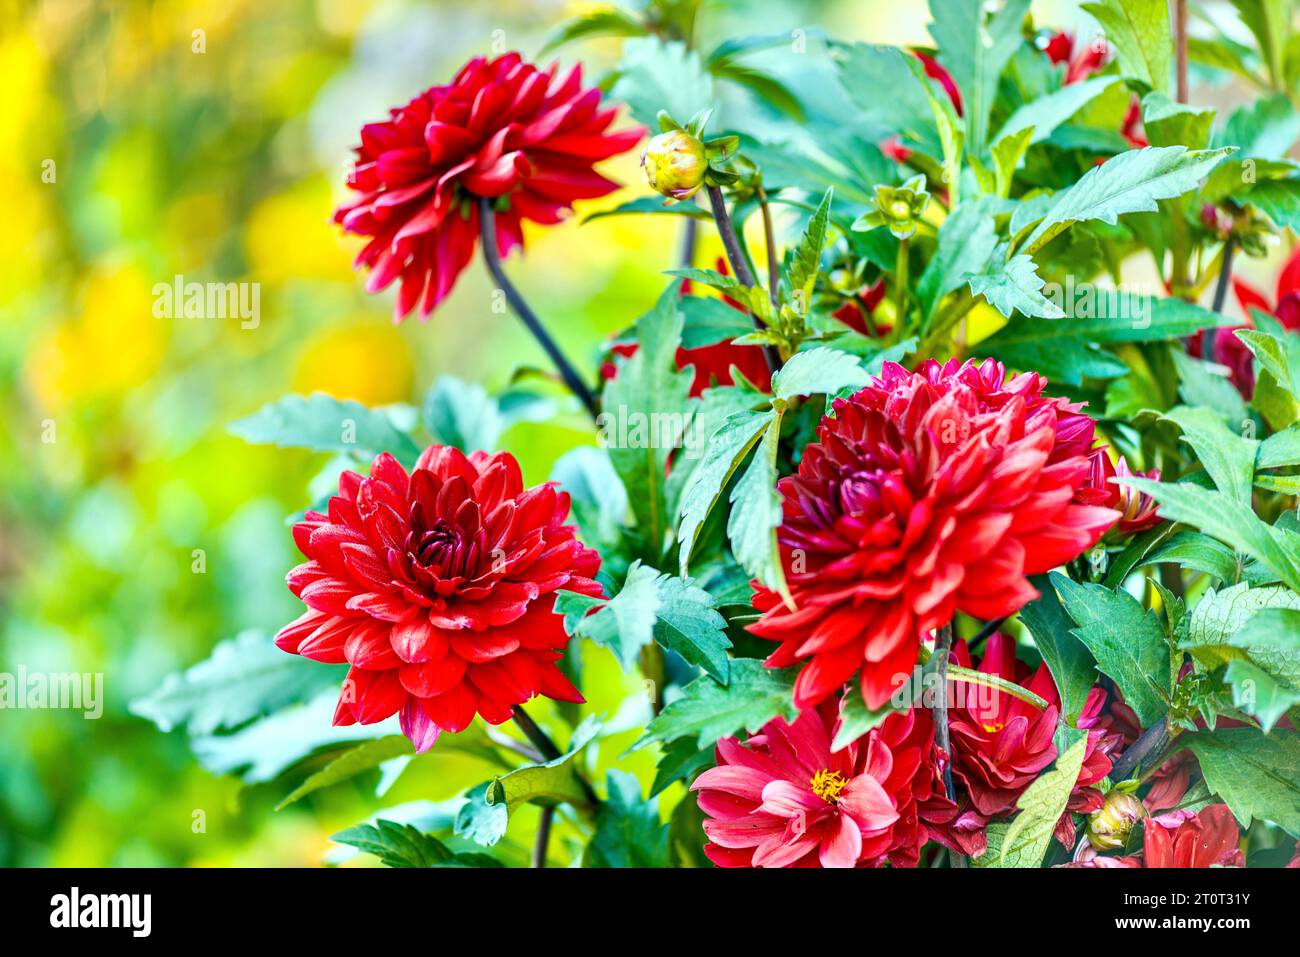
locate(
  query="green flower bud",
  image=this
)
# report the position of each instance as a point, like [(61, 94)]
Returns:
[(1109, 827), (674, 164)]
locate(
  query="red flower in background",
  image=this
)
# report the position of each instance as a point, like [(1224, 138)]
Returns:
[(1221, 345), (1000, 743), (1138, 510), (935, 71), (1081, 62), (501, 129), (1207, 838), (783, 799), (437, 588), (927, 493), (856, 312), (712, 364)]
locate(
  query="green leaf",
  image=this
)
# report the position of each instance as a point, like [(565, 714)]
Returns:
[(1007, 154), (707, 710), (600, 22), (1067, 658), (1257, 775), (1139, 31), (1170, 123), (680, 759), (767, 88), (688, 625), (1266, 128), (856, 718), (1013, 286), (245, 677), (1280, 450), (1131, 182), (599, 501), (819, 371), (867, 69), (628, 832), (723, 454), (1126, 640), (1103, 318), (655, 75), (480, 822), (646, 412), (709, 321), (1025, 841), (324, 424), (1200, 383), (975, 53), (1189, 549), (1229, 521), (624, 624), (464, 415), (967, 238), (951, 129), (805, 261), (364, 757), (1228, 457), (401, 845), (550, 783), (1043, 115), (756, 514)]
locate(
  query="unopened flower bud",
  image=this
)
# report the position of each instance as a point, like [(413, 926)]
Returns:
[(1109, 827), (674, 164)]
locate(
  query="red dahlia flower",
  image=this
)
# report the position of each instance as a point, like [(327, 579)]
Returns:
[(783, 799), (437, 588), (1000, 743), (1137, 509), (1221, 345), (928, 493), (1207, 838), (502, 129), (1080, 63)]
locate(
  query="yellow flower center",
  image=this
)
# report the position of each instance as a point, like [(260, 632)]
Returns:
[(827, 785), (995, 727)]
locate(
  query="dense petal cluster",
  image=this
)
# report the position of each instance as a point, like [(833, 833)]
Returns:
[(782, 798), (927, 493), (1205, 838), (1138, 510), (437, 588), (1000, 743), (502, 129)]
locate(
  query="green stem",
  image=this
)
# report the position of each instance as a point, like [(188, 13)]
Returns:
[(967, 675), (900, 284), (739, 265)]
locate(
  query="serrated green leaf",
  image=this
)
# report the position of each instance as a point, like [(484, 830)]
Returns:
[(756, 514), (628, 831), (323, 423), (1045, 113), (1025, 841), (401, 845), (1131, 182), (1067, 658), (1012, 286), (1229, 458), (818, 371), (1126, 640), (726, 449), (806, 260), (1140, 34), (244, 678), (707, 710), (655, 75), (364, 757), (1256, 774), (480, 822)]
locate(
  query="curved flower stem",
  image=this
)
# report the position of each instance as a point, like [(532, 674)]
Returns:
[(958, 673), (488, 229), (543, 836), (942, 645), (739, 265), (546, 747), (1225, 274), (533, 731), (900, 284), (769, 237)]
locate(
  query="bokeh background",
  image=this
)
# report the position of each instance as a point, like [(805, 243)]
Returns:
[(115, 463)]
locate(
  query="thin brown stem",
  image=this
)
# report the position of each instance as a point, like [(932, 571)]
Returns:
[(543, 836), (739, 265), (1180, 42)]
